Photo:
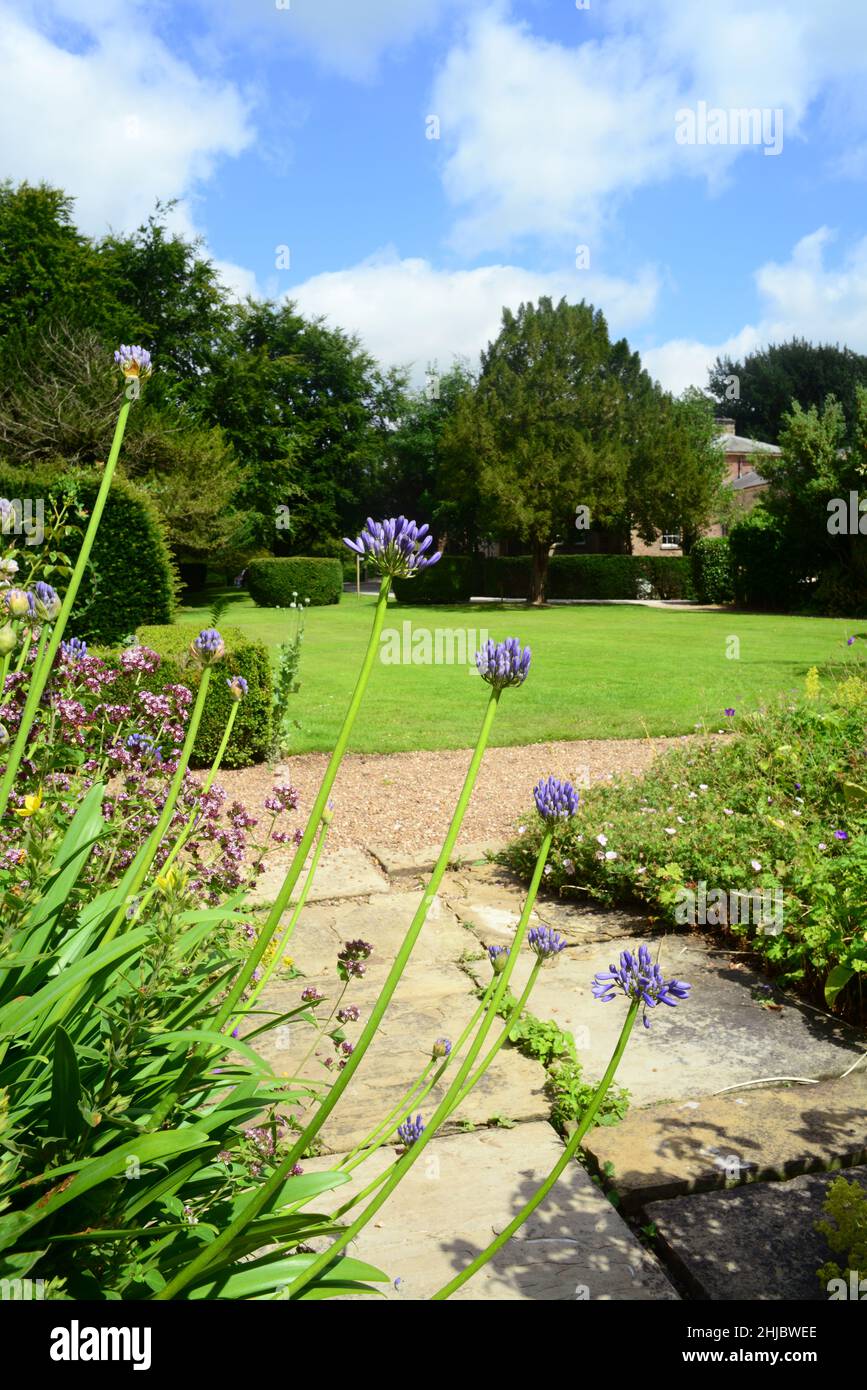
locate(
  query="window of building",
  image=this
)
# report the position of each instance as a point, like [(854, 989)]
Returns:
[(671, 540)]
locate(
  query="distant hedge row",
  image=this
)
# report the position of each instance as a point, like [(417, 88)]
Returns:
[(458, 578), (276, 582)]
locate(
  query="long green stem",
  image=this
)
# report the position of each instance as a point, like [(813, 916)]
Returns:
[(269, 1188), (565, 1158), (294, 872), (45, 661), (446, 1105)]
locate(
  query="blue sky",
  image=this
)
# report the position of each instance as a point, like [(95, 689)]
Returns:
[(305, 125)]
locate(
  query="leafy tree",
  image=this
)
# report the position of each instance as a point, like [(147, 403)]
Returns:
[(415, 483), (770, 380), (677, 468)]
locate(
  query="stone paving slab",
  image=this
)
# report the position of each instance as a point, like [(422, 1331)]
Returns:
[(489, 900), (467, 1187), (431, 1001), (345, 873), (721, 1036), (724, 1140), (757, 1242), (383, 922), (415, 863)]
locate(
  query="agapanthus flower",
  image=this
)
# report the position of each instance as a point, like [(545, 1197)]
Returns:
[(503, 663), (8, 640), (46, 603), (395, 547), (498, 956), (16, 602), (545, 942), (237, 687), (73, 650), (7, 513), (410, 1130), (208, 647), (641, 980), (4, 736), (134, 361), (555, 800), (441, 1048)]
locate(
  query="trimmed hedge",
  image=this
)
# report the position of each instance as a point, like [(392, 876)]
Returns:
[(712, 570), (457, 578), (273, 582), (761, 567), (251, 736), (131, 578)]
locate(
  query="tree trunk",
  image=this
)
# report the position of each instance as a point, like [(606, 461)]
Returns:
[(540, 572)]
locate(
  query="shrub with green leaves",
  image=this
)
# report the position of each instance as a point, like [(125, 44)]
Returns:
[(454, 579), (251, 736), (712, 577), (777, 805), (131, 578), (278, 583), (845, 1231)]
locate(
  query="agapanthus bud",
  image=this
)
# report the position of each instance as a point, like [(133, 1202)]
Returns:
[(441, 1048), (555, 800), (410, 1130), (503, 663), (4, 736), (16, 602), (208, 647), (8, 639), (237, 687), (46, 602), (134, 361), (499, 958)]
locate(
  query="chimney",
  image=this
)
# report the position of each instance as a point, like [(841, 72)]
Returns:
[(727, 425)]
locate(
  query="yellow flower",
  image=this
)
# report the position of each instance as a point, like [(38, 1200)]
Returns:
[(31, 804), (167, 882), (812, 684)]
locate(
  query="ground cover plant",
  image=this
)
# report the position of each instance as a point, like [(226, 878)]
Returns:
[(144, 1148), (759, 834), (601, 672)]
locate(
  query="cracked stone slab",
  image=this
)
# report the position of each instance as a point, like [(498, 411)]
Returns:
[(720, 1141), (432, 1001), (757, 1242), (467, 1187), (382, 921), (345, 873), (490, 901), (721, 1036), (408, 864)]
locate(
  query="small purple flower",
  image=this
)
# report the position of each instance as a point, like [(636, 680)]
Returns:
[(351, 1014), (849, 641), (73, 650), (134, 361), (503, 663), (208, 647), (555, 800), (729, 713), (545, 942), (641, 980), (498, 956), (410, 1130), (395, 547), (441, 1048), (237, 687), (840, 835), (311, 995), (45, 602), (350, 961)]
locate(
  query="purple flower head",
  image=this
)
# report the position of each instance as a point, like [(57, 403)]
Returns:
[(395, 547), (555, 800), (311, 995), (503, 663), (237, 687), (45, 602), (350, 1014), (441, 1048), (208, 647), (73, 650), (729, 713), (498, 956), (546, 942), (641, 980), (134, 361), (840, 835), (145, 746), (849, 641), (410, 1130), (350, 961)]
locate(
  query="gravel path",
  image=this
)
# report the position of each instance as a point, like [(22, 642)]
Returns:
[(405, 800)]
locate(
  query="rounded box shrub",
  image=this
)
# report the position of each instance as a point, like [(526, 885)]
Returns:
[(712, 577), (274, 582), (251, 736), (131, 578)]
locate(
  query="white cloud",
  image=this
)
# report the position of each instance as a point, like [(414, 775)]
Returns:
[(802, 297), (409, 312), (118, 123), (546, 139)]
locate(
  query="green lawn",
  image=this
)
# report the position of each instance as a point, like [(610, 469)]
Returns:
[(598, 672)]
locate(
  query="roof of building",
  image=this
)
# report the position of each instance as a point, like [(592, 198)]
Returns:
[(751, 479), (739, 444)]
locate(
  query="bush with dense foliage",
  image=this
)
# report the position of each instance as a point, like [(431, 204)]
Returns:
[(130, 579), (762, 572), (280, 582), (712, 577), (457, 578), (780, 806), (251, 735)]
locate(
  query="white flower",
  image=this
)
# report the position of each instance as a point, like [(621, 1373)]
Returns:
[(756, 864), (642, 869), (681, 820), (702, 786), (602, 840), (568, 866), (670, 831), (727, 812), (611, 854), (521, 829), (822, 845), (693, 796)]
